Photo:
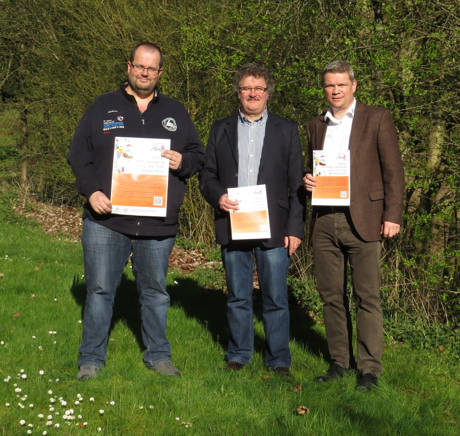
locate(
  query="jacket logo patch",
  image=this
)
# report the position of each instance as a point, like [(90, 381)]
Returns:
[(113, 124), (169, 124)]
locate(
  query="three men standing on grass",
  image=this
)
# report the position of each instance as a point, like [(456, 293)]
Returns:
[(250, 148), (136, 110)]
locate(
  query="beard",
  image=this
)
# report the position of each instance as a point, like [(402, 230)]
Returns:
[(142, 89)]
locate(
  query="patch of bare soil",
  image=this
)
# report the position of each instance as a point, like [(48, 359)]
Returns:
[(66, 221), (62, 220)]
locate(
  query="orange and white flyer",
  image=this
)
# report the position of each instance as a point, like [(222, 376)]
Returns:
[(332, 172), (140, 176), (251, 220)]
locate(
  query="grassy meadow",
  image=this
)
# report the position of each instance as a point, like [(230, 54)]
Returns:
[(42, 291)]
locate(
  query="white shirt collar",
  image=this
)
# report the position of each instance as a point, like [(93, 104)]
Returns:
[(349, 113)]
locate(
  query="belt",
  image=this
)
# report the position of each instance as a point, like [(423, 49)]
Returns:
[(324, 210)]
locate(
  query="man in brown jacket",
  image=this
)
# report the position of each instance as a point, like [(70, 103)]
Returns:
[(351, 234)]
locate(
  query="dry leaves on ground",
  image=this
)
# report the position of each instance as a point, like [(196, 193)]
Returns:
[(66, 220)]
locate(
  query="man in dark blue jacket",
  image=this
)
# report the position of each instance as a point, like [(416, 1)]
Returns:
[(256, 147), (135, 110)]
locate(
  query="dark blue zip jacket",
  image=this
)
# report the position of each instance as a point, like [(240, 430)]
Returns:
[(91, 155)]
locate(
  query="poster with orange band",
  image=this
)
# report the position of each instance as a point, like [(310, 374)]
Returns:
[(140, 176), (251, 220), (331, 170)]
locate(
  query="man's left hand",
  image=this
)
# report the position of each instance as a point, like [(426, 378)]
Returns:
[(389, 229), (292, 243), (175, 158)]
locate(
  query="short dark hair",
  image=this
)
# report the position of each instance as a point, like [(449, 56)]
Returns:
[(256, 71), (339, 67), (148, 45)]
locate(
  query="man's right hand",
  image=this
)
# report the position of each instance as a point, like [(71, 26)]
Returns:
[(309, 182), (100, 203), (226, 205)]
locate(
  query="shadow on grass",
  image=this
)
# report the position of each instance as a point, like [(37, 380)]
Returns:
[(301, 327), (125, 308), (207, 306)]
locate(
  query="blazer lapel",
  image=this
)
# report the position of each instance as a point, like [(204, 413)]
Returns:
[(270, 130), (356, 129), (231, 131), (321, 132)]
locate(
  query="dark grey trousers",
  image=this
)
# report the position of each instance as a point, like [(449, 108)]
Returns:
[(336, 243)]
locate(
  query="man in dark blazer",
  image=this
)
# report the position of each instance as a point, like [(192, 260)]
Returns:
[(255, 147), (352, 234)]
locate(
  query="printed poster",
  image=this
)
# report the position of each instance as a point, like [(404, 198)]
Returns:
[(140, 176), (332, 172), (251, 220)]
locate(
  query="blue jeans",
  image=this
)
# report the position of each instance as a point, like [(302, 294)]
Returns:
[(106, 253), (272, 269)]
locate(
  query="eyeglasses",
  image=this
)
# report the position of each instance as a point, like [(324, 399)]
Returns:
[(257, 90), (140, 69)]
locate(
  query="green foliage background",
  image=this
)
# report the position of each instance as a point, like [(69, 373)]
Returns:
[(58, 55)]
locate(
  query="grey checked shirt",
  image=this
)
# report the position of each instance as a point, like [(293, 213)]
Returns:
[(250, 143)]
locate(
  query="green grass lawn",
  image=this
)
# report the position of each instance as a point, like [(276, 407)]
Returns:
[(42, 290)]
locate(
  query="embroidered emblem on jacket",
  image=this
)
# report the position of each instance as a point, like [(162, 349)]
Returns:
[(169, 124)]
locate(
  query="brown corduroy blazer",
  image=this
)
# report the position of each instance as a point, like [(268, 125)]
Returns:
[(376, 174)]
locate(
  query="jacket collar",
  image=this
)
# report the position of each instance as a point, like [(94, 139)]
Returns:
[(231, 130), (357, 121), (131, 98)]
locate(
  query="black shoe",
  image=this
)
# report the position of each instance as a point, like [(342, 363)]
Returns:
[(367, 382), (282, 370), (234, 366), (334, 371)]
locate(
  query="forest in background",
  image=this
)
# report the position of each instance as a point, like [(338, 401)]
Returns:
[(58, 55)]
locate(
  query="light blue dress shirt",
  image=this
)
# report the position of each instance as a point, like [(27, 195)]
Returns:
[(250, 143)]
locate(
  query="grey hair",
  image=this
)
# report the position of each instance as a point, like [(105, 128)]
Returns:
[(256, 71), (339, 67)]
